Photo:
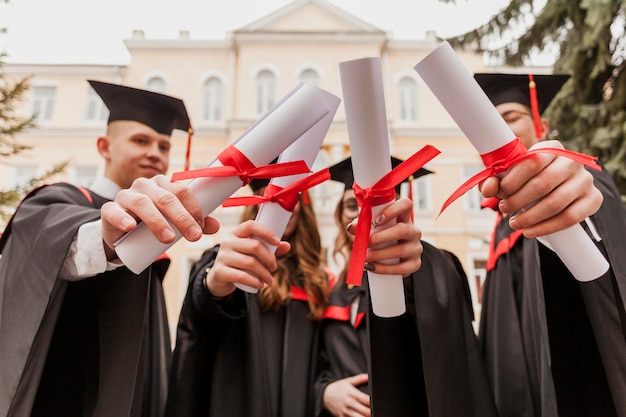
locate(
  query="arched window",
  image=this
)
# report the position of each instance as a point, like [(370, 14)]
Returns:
[(212, 99), (265, 91), (310, 76), (156, 84), (407, 96)]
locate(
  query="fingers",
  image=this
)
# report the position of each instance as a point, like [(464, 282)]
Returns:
[(518, 175), (359, 379), (558, 211), (341, 398), (211, 225), (157, 200), (533, 179), (402, 258), (548, 193), (399, 210), (115, 222), (283, 248), (395, 248), (244, 257), (489, 188)]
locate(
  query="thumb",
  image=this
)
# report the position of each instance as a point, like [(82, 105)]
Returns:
[(359, 379)]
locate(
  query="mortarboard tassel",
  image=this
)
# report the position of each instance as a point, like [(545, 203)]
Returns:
[(188, 153), (534, 105)]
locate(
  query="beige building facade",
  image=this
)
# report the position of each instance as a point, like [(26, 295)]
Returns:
[(227, 84)]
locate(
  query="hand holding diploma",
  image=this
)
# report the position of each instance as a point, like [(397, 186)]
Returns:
[(500, 150), (281, 194), (153, 201), (288, 120), (243, 261), (364, 101)]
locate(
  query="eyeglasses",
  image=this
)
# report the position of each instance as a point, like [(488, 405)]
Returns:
[(513, 116)]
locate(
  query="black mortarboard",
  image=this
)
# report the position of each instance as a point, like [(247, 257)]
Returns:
[(257, 183), (159, 111), (506, 88), (342, 172)]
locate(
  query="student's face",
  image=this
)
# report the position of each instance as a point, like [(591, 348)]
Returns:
[(133, 150), (520, 120), (350, 209)]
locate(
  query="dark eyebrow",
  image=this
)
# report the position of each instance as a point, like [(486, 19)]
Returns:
[(514, 111)]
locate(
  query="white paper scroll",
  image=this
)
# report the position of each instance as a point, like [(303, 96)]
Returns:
[(366, 118), (288, 120), (305, 148), (461, 95)]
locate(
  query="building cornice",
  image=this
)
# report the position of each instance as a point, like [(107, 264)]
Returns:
[(64, 69), (142, 43), (312, 37)]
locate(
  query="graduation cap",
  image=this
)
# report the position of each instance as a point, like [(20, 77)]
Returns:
[(257, 183), (534, 91), (160, 112), (342, 172)]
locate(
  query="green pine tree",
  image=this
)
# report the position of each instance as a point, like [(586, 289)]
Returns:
[(588, 38), (11, 94)]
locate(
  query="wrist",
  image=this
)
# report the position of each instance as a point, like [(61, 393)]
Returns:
[(205, 281)]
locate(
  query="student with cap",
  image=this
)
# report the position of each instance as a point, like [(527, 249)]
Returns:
[(239, 354), (80, 334), (552, 345), (424, 363)]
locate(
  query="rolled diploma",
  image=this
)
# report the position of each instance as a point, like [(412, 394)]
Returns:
[(304, 148), (261, 143), (461, 95), (364, 103)]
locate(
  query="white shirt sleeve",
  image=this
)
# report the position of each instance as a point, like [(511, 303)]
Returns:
[(86, 257)]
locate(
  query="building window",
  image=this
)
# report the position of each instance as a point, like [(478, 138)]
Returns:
[(265, 86), (22, 174), (96, 110), (472, 198), (156, 84), (310, 76), (85, 176), (213, 92), (43, 103), (422, 201), (407, 95), (480, 273)]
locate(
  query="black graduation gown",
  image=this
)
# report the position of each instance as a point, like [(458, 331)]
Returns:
[(94, 347), (231, 360), (426, 362), (552, 345), (343, 345)]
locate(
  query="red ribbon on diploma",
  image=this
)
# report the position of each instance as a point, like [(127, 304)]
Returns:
[(287, 197), (383, 191), (237, 164), (506, 156)]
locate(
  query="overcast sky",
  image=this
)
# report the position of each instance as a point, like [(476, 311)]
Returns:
[(92, 31)]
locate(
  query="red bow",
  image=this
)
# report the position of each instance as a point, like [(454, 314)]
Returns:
[(237, 164), (287, 197), (383, 191), (503, 158)]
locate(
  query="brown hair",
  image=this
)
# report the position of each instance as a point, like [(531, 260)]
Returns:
[(302, 266), (343, 243)]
